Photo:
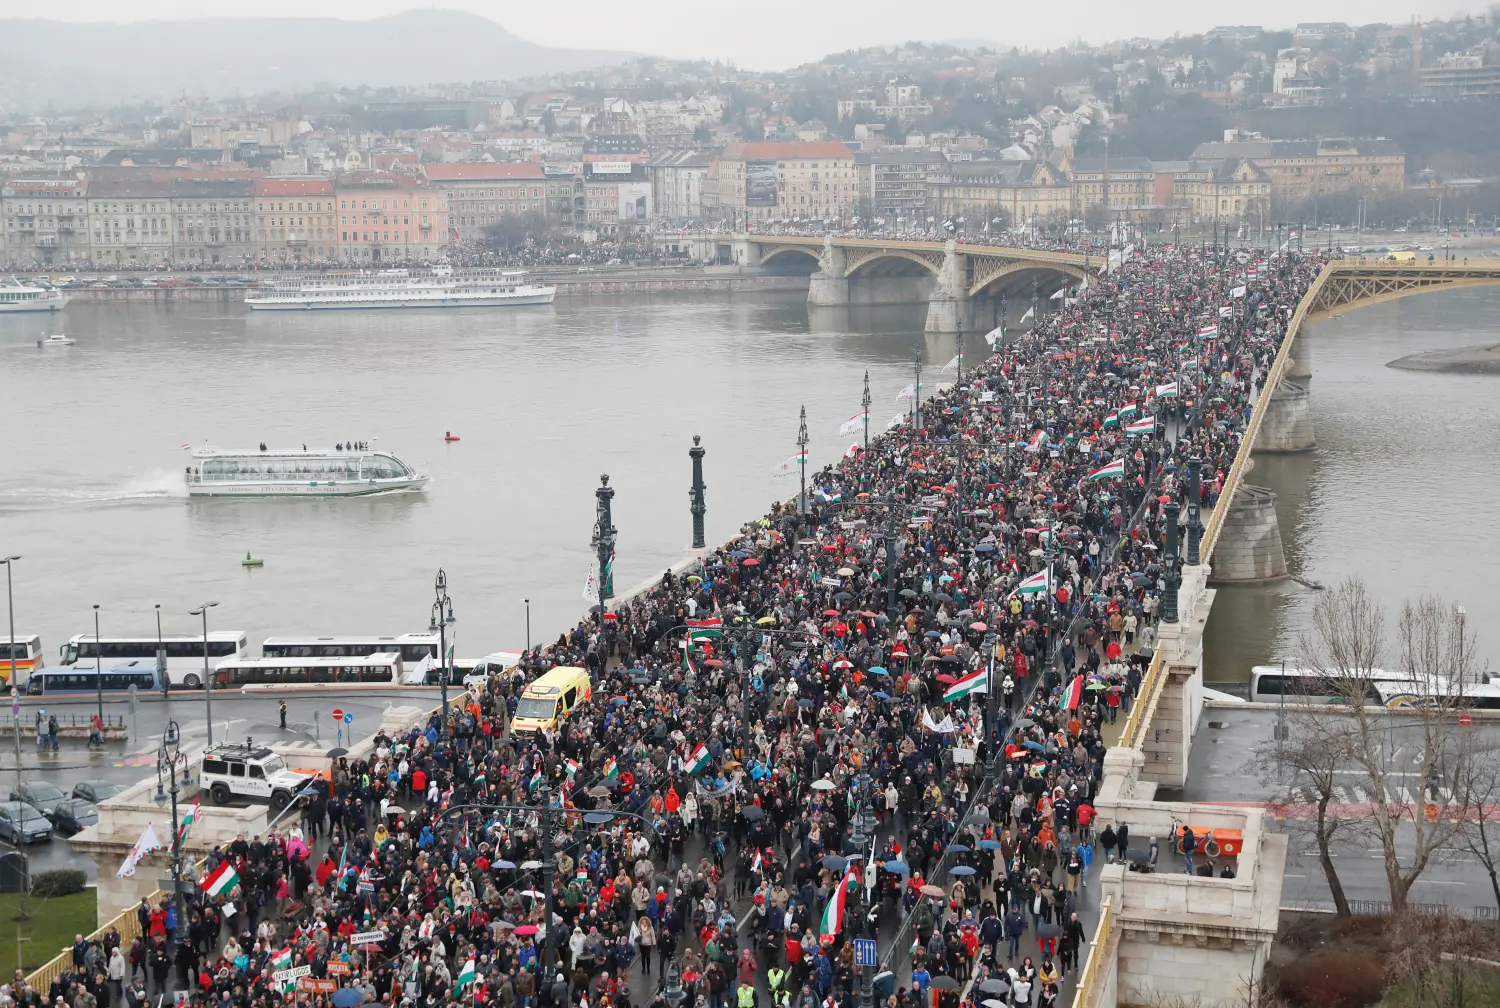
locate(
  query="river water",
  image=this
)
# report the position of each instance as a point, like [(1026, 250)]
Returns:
[(545, 400), (1400, 490)]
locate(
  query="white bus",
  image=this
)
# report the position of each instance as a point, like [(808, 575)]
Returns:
[(262, 673), (184, 652), (1268, 683), (412, 647), (26, 650)]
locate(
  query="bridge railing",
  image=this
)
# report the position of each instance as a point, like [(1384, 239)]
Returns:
[(1091, 981)]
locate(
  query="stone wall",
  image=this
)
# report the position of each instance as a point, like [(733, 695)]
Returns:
[(1288, 423), (1249, 547)]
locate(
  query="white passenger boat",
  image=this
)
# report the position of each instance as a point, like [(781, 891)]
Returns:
[(440, 287), (218, 472), (18, 296), (56, 339)]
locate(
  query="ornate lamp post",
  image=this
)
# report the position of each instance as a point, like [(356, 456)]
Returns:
[(699, 505), (168, 783), (208, 676), (442, 619), (605, 536)]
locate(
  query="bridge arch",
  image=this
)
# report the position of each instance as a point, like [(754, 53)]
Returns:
[(1015, 278), (790, 260), (862, 263)]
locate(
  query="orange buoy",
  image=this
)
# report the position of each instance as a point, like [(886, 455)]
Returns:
[(450, 436)]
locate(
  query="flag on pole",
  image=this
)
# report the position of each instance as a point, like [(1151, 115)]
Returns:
[(1034, 585), (1035, 444), (1208, 330), (698, 760), (1146, 426), (896, 421), (611, 769), (1029, 312), (1128, 409), (221, 881), (687, 660), (852, 451), (789, 465), (755, 865), (977, 681), (710, 628), (907, 393), (854, 424), (1239, 291), (838, 900), (466, 976), (188, 820), (1169, 389), (1115, 468), (1073, 695), (1112, 420), (590, 595), (282, 959), (951, 365), (145, 845), (1226, 311)]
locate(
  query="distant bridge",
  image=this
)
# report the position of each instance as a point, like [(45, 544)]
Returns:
[(964, 286)]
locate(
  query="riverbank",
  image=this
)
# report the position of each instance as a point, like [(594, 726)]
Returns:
[(1482, 359)]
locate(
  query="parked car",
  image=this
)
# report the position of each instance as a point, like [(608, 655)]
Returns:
[(39, 795), (20, 823), (74, 815), (95, 791)]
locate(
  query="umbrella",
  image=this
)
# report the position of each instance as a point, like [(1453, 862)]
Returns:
[(962, 869), (738, 555), (995, 1002), (907, 593), (990, 844), (945, 983), (995, 985), (336, 753), (1138, 857), (957, 848), (931, 890), (348, 997), (981, 627), (765, 621), (823, 785), (882, 695), (932, 635), (877, 670), (835, 862), (845, 572), (534, 894), (842, 597), (1048, 931), (804, 703), (525, 930), (899, 867), (1025, 723), (753, 813), (984, 547), (1096, 686), (830, 612), (750, 562), (530, 865), (1032, 745), (942, 597), (503, 865)]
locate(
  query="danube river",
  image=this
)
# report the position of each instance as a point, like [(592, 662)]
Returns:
[(545, 400), (1401, 488)]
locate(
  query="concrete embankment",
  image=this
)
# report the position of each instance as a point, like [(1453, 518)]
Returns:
[(611, 283), (1483, 359)]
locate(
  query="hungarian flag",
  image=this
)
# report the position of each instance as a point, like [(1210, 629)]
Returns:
[(466, 976), (282, 959), (611, 770), (838, 900), (705, 629), (1146, 426), (1128, 409), (1169, 389), (977, 681), (220, 881), (188, 820), (1112, 419), (1115, 468), (687, 660), (1073, 695), (1035, 444), (1034, 585), (698, 760), (1208, 330), (755, 865)]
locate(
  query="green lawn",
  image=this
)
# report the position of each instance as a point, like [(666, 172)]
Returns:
[(1482, 988), (52, 926)]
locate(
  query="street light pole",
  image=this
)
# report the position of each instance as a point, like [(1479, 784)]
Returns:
[(697, 494), (442, 619), (167, 756), (208, 680), (528, 623), (161, 655), (1194, 525), (865, 404), (802, 507), (1169, 561), (10, 607), (98, 668), (605, 535)]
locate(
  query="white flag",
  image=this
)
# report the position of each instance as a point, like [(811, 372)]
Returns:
[(951, 365), (906, 393), (419, 672), (1029, 312), (145, 845), (895, 421), (854, 424), (943, 727), (591, 588), (1238, 292)]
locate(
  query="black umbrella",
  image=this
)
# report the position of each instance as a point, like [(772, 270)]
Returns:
[(907, 593), (946, 983), (1025, 723), (1048, 931), (336, 753), (994, 986), (753, 813), (835, 862), (942, 597)]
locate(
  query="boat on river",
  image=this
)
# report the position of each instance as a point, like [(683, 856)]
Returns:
[(19, 296), (218, 472), (439, 287)]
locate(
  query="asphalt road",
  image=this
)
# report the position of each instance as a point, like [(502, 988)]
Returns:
[(236, 716), (1219, 771)]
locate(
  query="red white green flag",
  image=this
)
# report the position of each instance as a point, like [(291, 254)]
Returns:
[(838, 901)]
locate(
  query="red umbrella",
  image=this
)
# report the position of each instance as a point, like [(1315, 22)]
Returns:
[(978, 626), (945, 679), (610, 616), (525, 930), (830, 612), (750, 562)]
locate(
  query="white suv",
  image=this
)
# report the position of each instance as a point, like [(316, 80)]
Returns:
[(235, 770)]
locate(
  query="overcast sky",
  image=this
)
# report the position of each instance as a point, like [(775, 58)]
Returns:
[(775, 34)]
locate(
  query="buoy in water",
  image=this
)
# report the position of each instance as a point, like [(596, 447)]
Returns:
[(252, 561), (450, 436)]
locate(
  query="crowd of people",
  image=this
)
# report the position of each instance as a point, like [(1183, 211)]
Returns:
[(883, 715)]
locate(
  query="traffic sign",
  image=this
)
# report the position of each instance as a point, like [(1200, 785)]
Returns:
[(1465, 719), (349, 718), (864, 951), (338, 715)]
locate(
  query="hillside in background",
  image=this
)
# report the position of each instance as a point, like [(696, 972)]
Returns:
[(63, 64)]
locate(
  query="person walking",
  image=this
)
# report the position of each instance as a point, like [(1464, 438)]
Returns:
[(281, 709)]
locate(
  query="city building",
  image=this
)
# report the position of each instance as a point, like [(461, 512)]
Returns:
[(295, 220), (211, 220), (616, 194), (385, 217), (893, 183), (1300, 169), (677, 184), (1016, 192), (1130, 181), (44, 221), (781, 180), (130, 219), (1223, 189), (1461, 75), (482, 195)]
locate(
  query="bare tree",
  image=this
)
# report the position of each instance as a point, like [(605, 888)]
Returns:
[(1477, 787), (1306, 769), (1435, 657)]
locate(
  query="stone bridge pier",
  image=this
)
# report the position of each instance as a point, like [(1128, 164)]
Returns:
[(949, 307), (1288, 423), (830, 284)]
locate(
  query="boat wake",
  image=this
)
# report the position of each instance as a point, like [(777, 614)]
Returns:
[(157, 486)]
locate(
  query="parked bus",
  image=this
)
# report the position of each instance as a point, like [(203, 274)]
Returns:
[(238, 673), (80, 679), (26, 650), (412, 647), (184, 652)]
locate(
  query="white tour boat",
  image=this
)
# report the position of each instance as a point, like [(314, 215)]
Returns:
[(18, 296), (218, 472), (56, 339), (440, 287)]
